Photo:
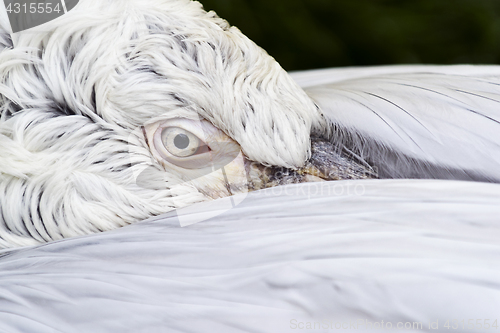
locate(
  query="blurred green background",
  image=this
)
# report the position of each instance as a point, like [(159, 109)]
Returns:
[(305, 34)]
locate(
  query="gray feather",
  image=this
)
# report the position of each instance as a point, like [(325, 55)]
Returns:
[(372, 250), (418, 122)]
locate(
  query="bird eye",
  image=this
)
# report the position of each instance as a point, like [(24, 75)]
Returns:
[(182, 143), (189, 144)]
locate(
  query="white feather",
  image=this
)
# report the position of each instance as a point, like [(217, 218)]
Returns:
[(392, 250), (74, 90), (415, 121)]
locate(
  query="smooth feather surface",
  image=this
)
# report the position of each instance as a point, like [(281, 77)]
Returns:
[(415, 121), (392, 250), (383, 250)]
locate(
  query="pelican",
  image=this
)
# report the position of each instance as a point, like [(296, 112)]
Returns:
[(120, 116)]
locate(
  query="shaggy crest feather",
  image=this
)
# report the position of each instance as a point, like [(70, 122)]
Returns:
[(76, 92), (73, 90)]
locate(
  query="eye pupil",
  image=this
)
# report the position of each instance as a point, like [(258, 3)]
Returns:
[(181, 141)]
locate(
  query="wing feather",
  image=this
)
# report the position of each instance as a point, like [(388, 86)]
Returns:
[(423, 122), (367, 250)]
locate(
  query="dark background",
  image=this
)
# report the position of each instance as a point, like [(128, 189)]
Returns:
[(305, 34)]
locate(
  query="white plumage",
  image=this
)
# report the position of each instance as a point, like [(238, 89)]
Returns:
[(415, 121), (409, 251), (75, 93), (82, 100)]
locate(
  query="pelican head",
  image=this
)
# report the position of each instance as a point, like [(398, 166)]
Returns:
[(118, 110)]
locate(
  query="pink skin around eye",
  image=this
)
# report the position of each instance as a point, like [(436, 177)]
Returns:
[(195, 161), (203, 148)]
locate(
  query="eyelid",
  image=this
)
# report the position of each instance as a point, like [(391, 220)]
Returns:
[(169, 135), (203, 146), (201, 159)]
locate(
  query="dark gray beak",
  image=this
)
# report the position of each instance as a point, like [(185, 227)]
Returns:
[(327, 162)]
